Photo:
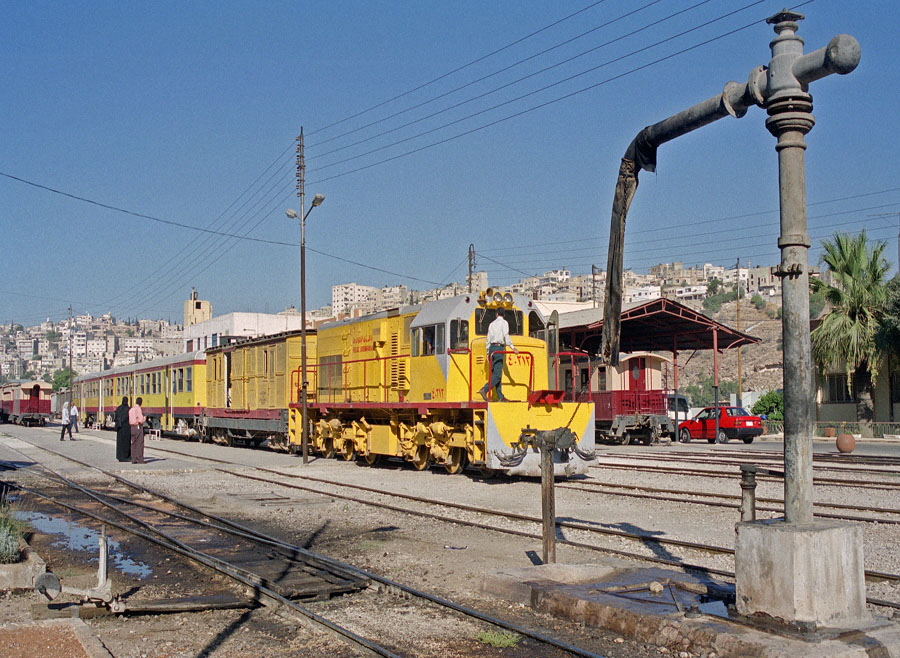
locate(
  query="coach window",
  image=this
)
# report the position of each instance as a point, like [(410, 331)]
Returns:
[(181, 380), (189, 377)]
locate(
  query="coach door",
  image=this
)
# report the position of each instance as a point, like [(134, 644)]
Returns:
[(637, 374)]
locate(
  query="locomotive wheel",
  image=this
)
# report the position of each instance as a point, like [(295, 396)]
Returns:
[(328, 448), (371, 458), (421, 458), (721, 437), (685, 435), (626, 439), (348, 451), (456, 461)]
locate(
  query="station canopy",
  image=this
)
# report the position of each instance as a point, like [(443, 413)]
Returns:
[(660, 325)]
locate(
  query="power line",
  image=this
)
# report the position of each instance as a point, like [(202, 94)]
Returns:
[(460, 68)]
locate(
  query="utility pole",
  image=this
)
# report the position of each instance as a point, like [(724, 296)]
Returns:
[(471, 276), (740, 384), (71, 340)]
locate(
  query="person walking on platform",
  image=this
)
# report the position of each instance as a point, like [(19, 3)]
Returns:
[(123, 432), (136, 423), (497, 341), (73, 419), (64, 421)]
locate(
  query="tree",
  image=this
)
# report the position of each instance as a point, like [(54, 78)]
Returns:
[(703, 393), (63, 379), (758, 302), (771, 404), (889, 335), (846, 337), (713, 286), (53, 336)]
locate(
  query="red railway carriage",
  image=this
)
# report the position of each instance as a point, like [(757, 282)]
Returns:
[(25, 402)]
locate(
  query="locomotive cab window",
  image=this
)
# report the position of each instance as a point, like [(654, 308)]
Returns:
[(484, 317), (427, 341), (459, 334), (536, 326)]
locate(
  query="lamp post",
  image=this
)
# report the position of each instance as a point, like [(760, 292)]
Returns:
[(317, 201)]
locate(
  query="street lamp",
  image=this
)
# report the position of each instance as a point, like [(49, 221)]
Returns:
[(317, 201)]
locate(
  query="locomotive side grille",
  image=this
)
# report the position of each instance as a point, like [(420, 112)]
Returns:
[(398, 366)]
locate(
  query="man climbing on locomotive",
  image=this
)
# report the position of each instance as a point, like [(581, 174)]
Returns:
[(497, 341)]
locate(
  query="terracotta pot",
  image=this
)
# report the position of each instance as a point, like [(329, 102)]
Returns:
[(845, 443), (830, 432)]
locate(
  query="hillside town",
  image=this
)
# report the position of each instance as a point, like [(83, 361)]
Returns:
[(85, 343)]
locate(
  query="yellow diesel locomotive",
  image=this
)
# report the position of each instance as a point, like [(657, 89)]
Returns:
[(402, 383)]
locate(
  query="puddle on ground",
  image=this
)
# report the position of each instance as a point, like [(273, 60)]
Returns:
[(78, 538)]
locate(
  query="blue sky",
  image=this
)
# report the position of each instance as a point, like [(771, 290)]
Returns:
[(428, 126)]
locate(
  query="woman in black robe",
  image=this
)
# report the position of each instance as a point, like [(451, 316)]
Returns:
[(123, 432)]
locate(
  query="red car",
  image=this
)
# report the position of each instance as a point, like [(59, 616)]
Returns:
[(734, 423)]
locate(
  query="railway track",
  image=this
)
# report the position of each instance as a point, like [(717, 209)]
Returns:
[(528, 524), (275, 571), (693, 496), (888, 485)]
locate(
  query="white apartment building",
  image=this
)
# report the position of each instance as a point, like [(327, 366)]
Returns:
[(641, 294), (96, 347), (224, 329), (349, 296), (26, 347), (392, 296)]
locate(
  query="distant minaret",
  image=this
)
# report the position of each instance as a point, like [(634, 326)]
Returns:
[(196, 310)]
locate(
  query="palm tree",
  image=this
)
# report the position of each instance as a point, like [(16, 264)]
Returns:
[(847, 335)]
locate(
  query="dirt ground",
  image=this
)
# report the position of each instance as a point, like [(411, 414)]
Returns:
[(425, 554)]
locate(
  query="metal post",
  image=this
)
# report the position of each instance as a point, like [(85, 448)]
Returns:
[(790, 118), (548, 499), (748, 492)]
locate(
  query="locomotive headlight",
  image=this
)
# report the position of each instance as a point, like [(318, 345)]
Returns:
[(498, 297), (507, 298)]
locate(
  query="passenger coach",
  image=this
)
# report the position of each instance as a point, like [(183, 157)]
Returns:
[(173, 389)]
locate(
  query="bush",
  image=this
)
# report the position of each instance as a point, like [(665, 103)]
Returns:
[(10, 537), (771, 404)]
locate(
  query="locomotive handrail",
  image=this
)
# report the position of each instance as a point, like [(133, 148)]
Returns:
[(573, 355), (344, 375), (530, 366)]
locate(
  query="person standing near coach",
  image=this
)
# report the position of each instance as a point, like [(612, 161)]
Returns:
[(497, 340), (123, 432), (64, 421), (73, 419), (136, 424)]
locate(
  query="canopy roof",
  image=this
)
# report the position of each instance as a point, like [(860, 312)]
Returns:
[(659, 325)]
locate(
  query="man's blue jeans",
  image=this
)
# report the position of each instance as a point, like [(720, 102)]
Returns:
[(496, 360)]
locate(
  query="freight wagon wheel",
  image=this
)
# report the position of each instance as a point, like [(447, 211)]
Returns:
[(348, 452), (371, 458), (721, 437), (421, 458), (685, 435), (456, 461)]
